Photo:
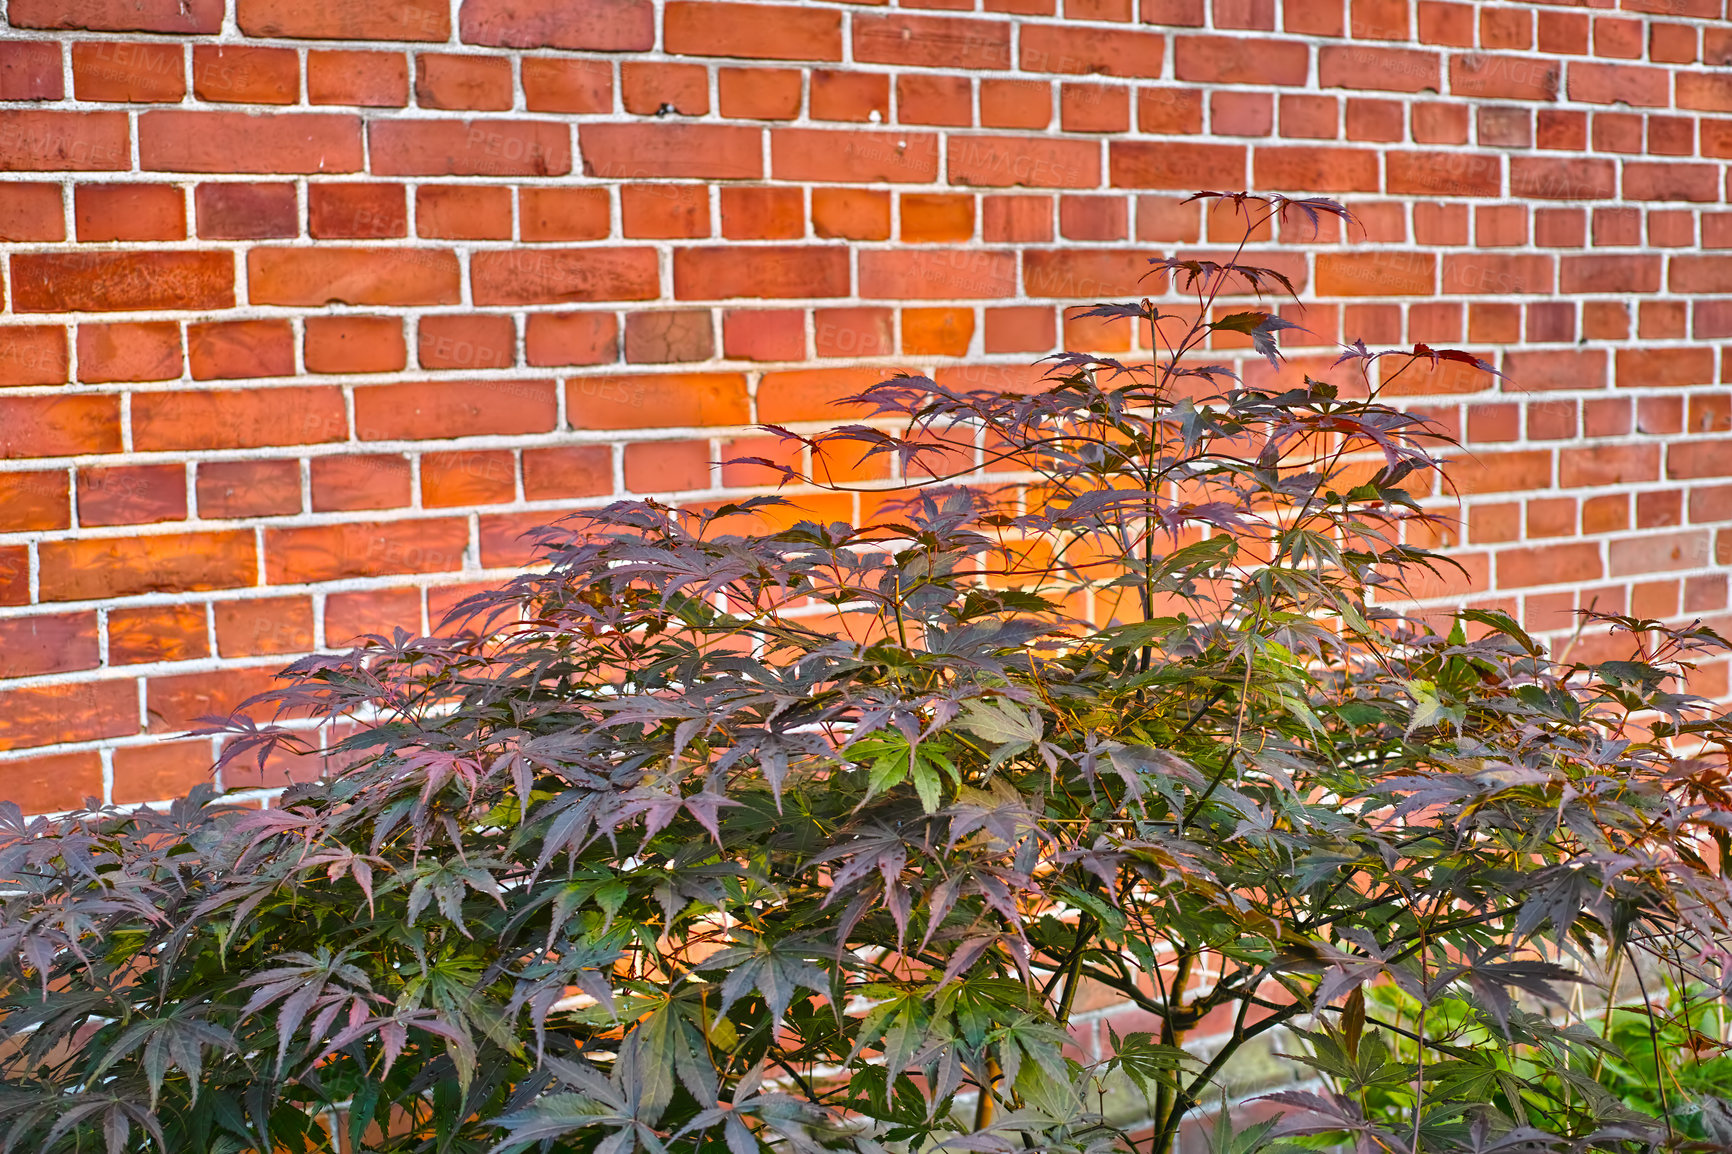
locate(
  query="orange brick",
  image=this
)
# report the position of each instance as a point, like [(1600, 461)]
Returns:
[(80, 711), (463, 213), (95, 568), (940, 332), (129, 212), (241, 74), (478, 477), (467, 342), (354, 344), (52, 782), (48, 643), (131, 494), (227, 350), (561, 214), (264, 625), (365, 549), (157, 633)]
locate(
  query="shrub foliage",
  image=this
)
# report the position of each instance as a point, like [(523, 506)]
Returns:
[(708, 835)]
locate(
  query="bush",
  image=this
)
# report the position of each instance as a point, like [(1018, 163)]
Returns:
[(708, 836)]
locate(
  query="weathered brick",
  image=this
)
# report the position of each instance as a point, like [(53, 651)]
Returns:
[(357, 276), (778, 271), (585, 25), (54, 141), (99, 567), (339, 20), (239, 418), (365, 549), (754, 31), (554, 276), (79, 711), (469, 148), (122, 281), (433, 410), (172, 140), (201, 17), (649, 400)]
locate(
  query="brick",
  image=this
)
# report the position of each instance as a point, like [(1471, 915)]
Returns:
[(35, 501), (368, 79), (1560, 128), (354, 344), (365, 549), (759, 93), (1029, 162), (764, 334), (1016, 219), (586, 25), (1096, 218), (1019, 329), (752, 31), (239, 418), (1445, 174), (131, 494), (31, 70), (1319, 169), (1686, 460), (357, 276), (81, 711), (59, 426), (1659, 552), (554, 276), (1492, 274), (1672, 181), (96, 568), (1608, 465), (466, 342), (506, 540), (350, 482), (245, 211), (239, 74), (1376, 274), (937, 332), (52, 782), (44, 141), (763, 213), (122, 281), (682, 151), (182, 702), (672, 400), (1159, 164), (48, 643), (227, 350), (1664, 368), (936, 218), (113, 70), (810, 394), (1015, 103), (1618, 84), (149, 351), (659, 466), (1082, 50), (851, 213), (1087, 274), (469, 147), (464, 82), (779, 271), (1617, 132), (202, 17), (31, 212), (567, 471), (198, 141), (357, 211), (932, 41), (1544, 178), (560, 214), (854, 332), (656, 88), (581, 86), (1620, 226), (1094, 108), (840, 94), (666, 336), (815, 154), (435, 410), (259, 626), (33, 355), (579, 338), (348, 616), (1705, 91), (339, 20), (153, 772), (476, 477), (14, 575), (1482, 75), (460, 212), (1239, 60), (664, 211), (927, 99), (228, 489), (1689, 274), (1556, 369), (157, 633), (1602, 273), (1381, 69), (937, 274)]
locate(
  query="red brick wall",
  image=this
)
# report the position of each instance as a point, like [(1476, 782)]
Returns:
[(313, 305)]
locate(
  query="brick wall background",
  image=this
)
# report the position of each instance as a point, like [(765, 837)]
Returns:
[(313, 305)]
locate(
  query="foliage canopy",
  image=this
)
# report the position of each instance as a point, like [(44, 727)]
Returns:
[(705, 837)]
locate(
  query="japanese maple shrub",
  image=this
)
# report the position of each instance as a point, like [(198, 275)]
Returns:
[(709, 834)]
